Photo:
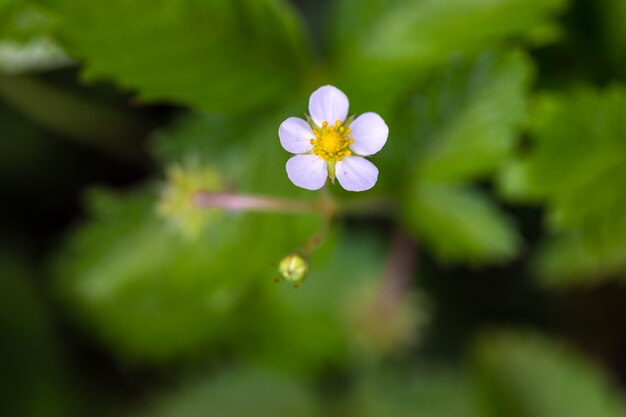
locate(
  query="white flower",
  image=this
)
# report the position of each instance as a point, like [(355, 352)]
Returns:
[(332, 145)]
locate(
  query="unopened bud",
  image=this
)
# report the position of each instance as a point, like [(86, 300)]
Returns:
[(294, 268), (176, 204)]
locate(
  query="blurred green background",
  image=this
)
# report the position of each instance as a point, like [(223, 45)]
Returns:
[(481, 277)]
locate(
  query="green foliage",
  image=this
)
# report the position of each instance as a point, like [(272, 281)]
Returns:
[(154, 295), (24, 42), (460, 222), (612, 14), (521, 375), (170, 50), (312, 324), (236, 393), (577, 167), (465, 121), (34, 381), (404, 31), (422, 393), (509, 374), (382, 45), (464, 124), (89, 122), (21, 21), (242, 149), (195, 295), (164, 286)]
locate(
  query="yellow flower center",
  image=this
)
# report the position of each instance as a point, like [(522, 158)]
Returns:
[(332, 142)]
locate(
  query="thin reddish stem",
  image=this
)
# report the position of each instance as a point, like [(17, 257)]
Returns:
[(243, 202)]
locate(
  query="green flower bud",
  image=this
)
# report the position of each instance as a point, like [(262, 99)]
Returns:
[(294, 268), (176, 204)]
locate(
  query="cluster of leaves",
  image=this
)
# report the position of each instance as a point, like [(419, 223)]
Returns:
[(453, 79), (576, 168), (459, 126), (513, 374)]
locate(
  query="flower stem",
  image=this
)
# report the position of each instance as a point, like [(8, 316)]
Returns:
[(246, 202), (325, 205)]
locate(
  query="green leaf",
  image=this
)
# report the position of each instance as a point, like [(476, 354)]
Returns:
[(577, 168), (522, 375), (384, 45), (462, 127), (238, 393), (25, 44), (214, 55), (35, 379), (314, 324), (153, 295), (571, 259), (102, 126), (246, 150), (427, 31), (464, 124), (460, 223), (513, 182), (612, 14), (22, 21), (426, 392)]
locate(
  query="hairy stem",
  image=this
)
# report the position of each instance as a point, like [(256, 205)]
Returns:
[(326, 205), (245, 202)]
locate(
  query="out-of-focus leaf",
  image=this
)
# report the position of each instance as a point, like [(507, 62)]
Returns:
[(5, 3), (513, 181), (577, 167), (34, 381), (246, 151), (152, 294), (429, 30), (90, 123), (215, 55), (522, 375), (612, 14), (39, 54), (570, 258), (311, 324), (461, 128), (238, 393), (21, 21), (461, 224), (463, 125), (25, 44), (382, 45), (427, 393)]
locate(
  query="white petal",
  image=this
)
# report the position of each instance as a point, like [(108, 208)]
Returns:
[(369, 132), (356, 174), (295, 135), (328, 104), (307, 171)]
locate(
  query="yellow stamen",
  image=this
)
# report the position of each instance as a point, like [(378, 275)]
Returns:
[(332, 142)]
